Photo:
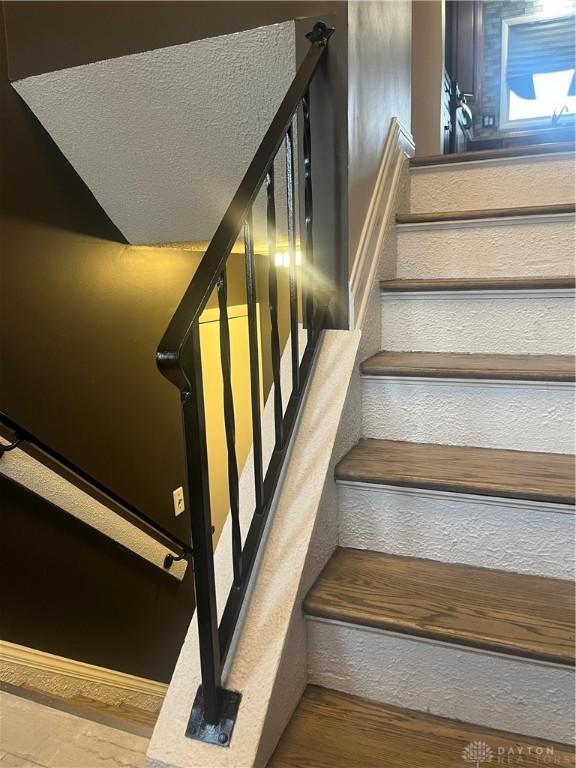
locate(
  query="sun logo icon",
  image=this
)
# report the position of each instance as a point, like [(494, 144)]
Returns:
[(477, 753)]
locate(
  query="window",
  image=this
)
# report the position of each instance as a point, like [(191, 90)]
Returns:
[(538, 70)]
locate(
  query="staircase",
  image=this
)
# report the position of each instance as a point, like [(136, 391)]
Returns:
[(441, 632)]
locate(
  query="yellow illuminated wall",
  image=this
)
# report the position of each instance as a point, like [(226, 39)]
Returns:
[(214, 403), (89, 314)]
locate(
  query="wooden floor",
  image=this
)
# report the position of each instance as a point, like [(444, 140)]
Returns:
[(335, 730), (483, 471), (528, 616), (486, 213), (493, 154), (475, 284), (452, 365)]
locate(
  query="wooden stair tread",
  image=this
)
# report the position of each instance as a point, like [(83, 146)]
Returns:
[(493, 154), (486, 213), (335, 730), (478, 284), (547, 477), (453, 365), (528, 616)]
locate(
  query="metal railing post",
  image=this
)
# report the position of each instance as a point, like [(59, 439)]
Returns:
[(208, 720), (179, 359)]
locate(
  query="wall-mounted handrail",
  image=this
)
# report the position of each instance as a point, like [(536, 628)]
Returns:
[(179, 359), (21, 437)]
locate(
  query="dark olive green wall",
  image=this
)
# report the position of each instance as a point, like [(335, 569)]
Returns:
[(66, 588), (69, 590), (81, 314), (45, 36), (89, 310), (85, 318)]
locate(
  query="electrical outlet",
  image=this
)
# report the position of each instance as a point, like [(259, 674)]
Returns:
[(178, 498)]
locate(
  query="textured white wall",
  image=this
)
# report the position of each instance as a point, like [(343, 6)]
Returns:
[(163, 138), (505, 534), (497, 691), (516, 181), (269, 665), (537, 322), (274, 606), (520, 416), (541, 246)]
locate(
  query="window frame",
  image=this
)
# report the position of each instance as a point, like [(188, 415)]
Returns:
[(504, 122)]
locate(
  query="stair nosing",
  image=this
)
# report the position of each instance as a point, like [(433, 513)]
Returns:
[(462, 285), (403, 480), (455, 640), (461, 638), (427, 217), (508, 153), (472, 374), (462, 488)]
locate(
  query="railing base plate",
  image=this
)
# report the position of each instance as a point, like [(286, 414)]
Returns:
[(220, 733)]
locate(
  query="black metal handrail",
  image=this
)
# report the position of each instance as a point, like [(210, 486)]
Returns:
[(71, 471), (179, 359)]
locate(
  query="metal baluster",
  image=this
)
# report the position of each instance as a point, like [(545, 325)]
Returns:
[(291, 218), (198, 492), (254, 364), (273, 301), (308, 267), (179, 359), (230, 426)]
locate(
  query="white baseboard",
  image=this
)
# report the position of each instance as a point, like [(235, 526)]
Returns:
[(399, 145), (70, 679)]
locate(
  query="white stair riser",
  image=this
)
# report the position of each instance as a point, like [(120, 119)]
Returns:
[(530, 247), (505, 322), (492, 690), (503, 534), (519, 416), (543, 180)]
